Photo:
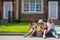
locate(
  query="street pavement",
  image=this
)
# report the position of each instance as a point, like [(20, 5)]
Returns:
[(25, 38), (57, 28)]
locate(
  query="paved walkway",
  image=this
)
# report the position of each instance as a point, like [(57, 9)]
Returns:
[(57, 29), (25, 38)]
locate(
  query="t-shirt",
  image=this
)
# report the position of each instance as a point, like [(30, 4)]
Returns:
[(44, 25), (49, 25), (34, 25)]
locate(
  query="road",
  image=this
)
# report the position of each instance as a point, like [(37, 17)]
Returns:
[(25, 38)]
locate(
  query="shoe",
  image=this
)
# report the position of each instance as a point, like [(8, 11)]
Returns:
[(25, 35), (57, 36), (29, 36), (44, 36)]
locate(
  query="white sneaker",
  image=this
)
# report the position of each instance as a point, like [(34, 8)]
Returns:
[(29, 36), (57, 36), (25, 35), (44, 36)]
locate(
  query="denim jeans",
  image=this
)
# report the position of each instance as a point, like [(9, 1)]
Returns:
[(53, 31)]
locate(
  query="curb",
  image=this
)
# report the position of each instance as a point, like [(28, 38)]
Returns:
[(12, 34), (18, 34)]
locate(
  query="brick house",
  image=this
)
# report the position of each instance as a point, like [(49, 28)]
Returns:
[(24, 10)]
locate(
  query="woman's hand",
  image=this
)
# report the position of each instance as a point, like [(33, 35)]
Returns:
[(52, 22), (29, 28)]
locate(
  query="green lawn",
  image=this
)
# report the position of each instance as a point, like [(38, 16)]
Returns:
[(58, 24), (21, 27)]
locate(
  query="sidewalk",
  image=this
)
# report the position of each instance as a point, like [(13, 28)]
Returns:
[(25, 38), (57, 29)]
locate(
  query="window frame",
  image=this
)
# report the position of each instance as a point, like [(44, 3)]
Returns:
[(29, 12)]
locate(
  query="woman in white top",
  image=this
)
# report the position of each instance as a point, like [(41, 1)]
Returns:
[(32, 28), (50, 25)]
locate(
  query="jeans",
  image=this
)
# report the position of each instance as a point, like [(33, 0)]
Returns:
[(53, 31)]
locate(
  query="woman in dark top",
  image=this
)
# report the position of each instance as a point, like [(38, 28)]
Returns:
[(43, 27)]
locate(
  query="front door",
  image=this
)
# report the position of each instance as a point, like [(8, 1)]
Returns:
[(53, 10), (7, 7)]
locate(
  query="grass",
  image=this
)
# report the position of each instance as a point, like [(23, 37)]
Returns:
[(15, 27), (58, 24)]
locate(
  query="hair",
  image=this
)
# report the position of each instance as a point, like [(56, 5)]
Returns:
[(31, 21), (50, 21)]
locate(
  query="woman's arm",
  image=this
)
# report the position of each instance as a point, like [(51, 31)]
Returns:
[(45, 25), (29, 26), (52, 22)]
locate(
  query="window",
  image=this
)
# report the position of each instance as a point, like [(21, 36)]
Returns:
[(32, 6), (26, 5), (35, 6)]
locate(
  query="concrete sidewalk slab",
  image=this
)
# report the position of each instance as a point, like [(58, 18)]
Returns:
[(25, 38)]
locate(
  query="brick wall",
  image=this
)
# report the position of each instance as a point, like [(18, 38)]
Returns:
[(1, 9), (13, 8), (59, 10), (14, 11), (26, 17)]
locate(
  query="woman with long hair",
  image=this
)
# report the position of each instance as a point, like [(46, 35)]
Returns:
[(50, 25), (43, 27), (32, 28)]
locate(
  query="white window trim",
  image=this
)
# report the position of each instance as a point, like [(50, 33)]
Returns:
[(29, 8), (23, 12), (4, 10), (49, 9)]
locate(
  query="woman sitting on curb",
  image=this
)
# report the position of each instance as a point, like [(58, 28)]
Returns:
[(50, 25), (43, 27), (32, 28)]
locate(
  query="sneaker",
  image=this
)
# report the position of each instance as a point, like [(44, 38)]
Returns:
[(29, 36), (57, 36), (25, 35), (44, 36)]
